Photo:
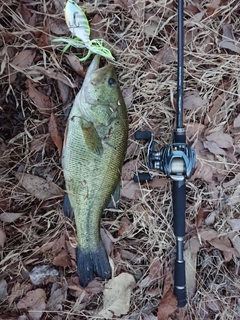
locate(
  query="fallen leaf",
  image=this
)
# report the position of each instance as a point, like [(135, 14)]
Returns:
[(228, 41), (233, 182), (125, 226), (38, 187), (190, 256), (203, 171), (40, 273), (41, 101), (128, 169), (108, 244), (94, 287), (116, 296), (58, 26), (97, 27), (235, 197), (130, 189), (155, 273), (57, 297), (22, 60), (10, 216), (223, 244), (34, 302), (76, 65), (54, 132), (236, 122), (64, 91), (192, 100), (54, 74), (194, 129), (213, 147), (62, 259), (223, 140), (167, 305), (158, 182), (128, 96), (3, 290), (235, 239), (2, 237), (235, 224)]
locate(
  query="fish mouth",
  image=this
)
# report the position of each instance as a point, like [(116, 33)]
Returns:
[(94, 65)]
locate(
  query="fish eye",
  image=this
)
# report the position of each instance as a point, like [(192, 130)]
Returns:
[(111, 81)]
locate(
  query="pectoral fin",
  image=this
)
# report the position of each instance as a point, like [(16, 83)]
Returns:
[(114, 202), (92, 138), (67, 208)]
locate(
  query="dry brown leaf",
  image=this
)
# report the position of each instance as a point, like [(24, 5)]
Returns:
[(3, 290), (228, 41), (194, 130), (108, 244), (213, 147), (41, 101), (64, 91), (10, 216), (116, 296), (192, 100), (130, 189), (167, 305), (94, 287), (223, 140), (58, 27), (38, 187), (54, 74), (76, 65), (236, 122), (125, 226), (222, 243), (62, 259), (128, 169), (235, 197), (235, 224), (57, 297), (22, 60), (233, 182), (34, 302), (54, 132), (128, 96), (2, 237), (97, 27), (158, 182), (190, 256), (155, 273), (203, 171)]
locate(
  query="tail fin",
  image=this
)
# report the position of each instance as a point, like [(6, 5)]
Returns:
[(92, 263)]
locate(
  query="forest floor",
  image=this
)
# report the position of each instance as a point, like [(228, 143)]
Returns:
[(38, 278)]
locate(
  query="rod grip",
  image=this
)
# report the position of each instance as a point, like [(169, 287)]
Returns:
[(179, 207), (180, 283)]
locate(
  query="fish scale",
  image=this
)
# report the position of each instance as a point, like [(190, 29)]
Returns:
[(93, 152)]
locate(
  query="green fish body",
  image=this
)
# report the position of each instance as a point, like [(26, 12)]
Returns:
[(94, 148)]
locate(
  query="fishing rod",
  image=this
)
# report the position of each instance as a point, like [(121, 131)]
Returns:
[(176, 161)]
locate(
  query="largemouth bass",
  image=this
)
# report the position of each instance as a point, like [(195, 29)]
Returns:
[(93, 152)]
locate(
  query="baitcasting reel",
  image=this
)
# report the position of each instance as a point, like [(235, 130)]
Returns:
[(176, 160)]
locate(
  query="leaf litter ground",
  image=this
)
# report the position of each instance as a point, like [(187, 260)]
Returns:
[(38, 277)]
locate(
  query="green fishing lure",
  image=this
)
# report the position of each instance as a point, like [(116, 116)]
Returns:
[(78, 24)]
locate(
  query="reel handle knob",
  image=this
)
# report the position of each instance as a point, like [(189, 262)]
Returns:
[(143, 135), (142, 177)]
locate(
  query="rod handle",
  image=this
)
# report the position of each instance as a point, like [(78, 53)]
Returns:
[(180, 283), (179, 207)]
